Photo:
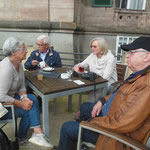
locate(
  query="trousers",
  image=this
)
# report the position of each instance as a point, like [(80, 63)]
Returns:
[(69, 131), (30, 118)]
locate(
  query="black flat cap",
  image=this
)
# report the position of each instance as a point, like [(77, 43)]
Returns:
[(141, 42)]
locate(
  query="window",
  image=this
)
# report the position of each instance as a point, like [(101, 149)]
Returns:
[(131, 4), (102, 3), (120, 41)]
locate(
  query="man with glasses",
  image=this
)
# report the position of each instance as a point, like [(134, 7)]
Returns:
[(126, 111), (44, 56)]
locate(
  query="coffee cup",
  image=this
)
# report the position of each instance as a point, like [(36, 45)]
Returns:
[(42, 64)]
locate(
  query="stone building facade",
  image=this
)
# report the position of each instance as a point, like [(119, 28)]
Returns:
[(71, 24)]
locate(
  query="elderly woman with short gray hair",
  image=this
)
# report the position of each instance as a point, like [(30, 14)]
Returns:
[(12, 89)]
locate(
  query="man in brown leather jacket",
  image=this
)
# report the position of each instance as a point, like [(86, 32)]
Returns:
[(127, 111)]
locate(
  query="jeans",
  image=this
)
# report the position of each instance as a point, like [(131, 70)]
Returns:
[(69, 130), (29, 118)]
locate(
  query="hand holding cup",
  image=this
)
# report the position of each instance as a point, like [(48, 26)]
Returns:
[(42, 64)]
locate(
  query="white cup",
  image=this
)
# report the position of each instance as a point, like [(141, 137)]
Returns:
[(42, 64)]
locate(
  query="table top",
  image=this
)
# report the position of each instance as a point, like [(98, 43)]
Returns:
[(53, 85)]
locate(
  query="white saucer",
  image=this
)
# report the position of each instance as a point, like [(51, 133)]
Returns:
[(48, 69), (85, 71), (65, 76)]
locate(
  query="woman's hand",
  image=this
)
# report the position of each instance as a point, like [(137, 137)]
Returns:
[(96, 109), (76, 68), (26, 103)]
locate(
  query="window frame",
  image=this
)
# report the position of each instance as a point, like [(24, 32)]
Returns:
[(129, 5), (98, 5), (126, 40)]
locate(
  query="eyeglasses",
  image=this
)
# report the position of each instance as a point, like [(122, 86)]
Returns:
[(24, 49), (93, 46), (40, 44), (134, 51)]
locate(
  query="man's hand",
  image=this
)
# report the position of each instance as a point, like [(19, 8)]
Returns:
[(35, 62), (96, 109)]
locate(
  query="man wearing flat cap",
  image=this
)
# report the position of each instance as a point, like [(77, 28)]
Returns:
[(126, 111)]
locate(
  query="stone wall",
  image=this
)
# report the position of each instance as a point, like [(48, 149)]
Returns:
[(61, 10), (37, 10), (70, 24), (24, 10)]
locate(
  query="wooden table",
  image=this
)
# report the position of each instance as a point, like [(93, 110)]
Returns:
[(50, 88)]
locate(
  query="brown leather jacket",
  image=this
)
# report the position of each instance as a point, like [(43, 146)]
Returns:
[(129, 113)]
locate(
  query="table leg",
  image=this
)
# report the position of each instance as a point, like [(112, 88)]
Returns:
[(104, 90), (69, 102), (45, 115)]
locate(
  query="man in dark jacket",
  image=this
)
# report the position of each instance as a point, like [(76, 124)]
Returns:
[(44, 54)]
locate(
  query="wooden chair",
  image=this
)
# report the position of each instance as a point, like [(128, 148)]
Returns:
[(122, 70), (13, 120), (119, 137)]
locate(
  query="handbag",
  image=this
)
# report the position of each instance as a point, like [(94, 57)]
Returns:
[(6, 144)]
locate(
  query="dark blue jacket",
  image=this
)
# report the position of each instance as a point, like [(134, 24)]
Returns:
[(52, 59)]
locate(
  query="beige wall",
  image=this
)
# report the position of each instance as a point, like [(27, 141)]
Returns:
[(62, 10), (18, 10), (37, 10)]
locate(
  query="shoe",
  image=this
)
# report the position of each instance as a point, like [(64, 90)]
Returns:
[(39, 139), (24, 143)]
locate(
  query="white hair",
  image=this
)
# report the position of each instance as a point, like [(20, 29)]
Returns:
[(11, 44), (44, 38)]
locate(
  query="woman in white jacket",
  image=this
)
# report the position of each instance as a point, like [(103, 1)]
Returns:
[(102, 62)]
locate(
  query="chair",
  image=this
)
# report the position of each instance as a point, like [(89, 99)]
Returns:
[(122, 70), (119, 137), (13, 120)]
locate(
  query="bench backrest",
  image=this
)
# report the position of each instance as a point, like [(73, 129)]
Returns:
[(1, 54), (121, 71), (71, 59)]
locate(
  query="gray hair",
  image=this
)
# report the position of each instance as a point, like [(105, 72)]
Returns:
[(102, 44), (44, 38), (11, 44)]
